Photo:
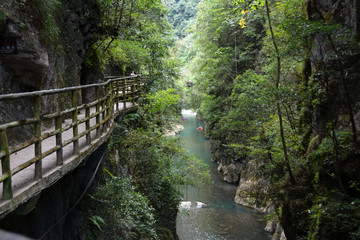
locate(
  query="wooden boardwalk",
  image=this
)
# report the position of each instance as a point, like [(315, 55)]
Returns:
[(54, 151)]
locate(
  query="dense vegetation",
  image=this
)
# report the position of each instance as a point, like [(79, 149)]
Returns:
[(83, 41), (139, 197), (182, 15), (135, 36), (150, 169), (272, 80), (275, 80)]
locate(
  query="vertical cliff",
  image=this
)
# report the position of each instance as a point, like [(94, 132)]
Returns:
[(321, 205), (53, 39)]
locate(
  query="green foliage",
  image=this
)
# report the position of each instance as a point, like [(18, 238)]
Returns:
[(221, 50), (163, 102), (234, 67), (45, 14), (158, 110), (3, 16), (149, 155), (157, 164), (182, 15), (325, 151), (334, 218), (97, 221), (134, 36), (251, 106), (121, 212)]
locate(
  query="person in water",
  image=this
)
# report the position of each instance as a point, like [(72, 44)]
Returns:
[(199, 128)]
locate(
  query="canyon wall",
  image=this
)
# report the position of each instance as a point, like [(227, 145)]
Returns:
[(52, 41)]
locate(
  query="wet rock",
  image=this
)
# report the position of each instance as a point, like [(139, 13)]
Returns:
[(253, 189), (173, 130), (270, 226), (220, 167), (200, 205), (185, 205), (229, 165), (228, 178), (12, 30), (189, 204), (279, 233)]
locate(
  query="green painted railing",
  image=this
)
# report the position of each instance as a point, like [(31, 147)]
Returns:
[(112, 96)]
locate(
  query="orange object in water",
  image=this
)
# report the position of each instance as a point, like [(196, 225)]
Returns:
[(199, 128)]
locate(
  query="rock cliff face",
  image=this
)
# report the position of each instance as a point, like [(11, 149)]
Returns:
[(53, 42), (335, 61), (228, 163), (254, 185), (254, 191), (334, 67)]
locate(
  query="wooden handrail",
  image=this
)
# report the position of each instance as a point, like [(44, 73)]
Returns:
[(102, 110), (62, 90)]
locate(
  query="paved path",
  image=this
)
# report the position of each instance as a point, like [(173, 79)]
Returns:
[(24, 185)]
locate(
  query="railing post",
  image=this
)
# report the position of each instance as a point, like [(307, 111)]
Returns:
[(87, 124), (5, 165), (103, 107), (107, 103), (124, 92), (59, 152), (133, 91), (138, 85), (116, 89), (97, 111), (37, 128), (75, 121), (111, 102)]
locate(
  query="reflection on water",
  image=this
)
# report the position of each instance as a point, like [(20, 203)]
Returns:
[(222, 218)]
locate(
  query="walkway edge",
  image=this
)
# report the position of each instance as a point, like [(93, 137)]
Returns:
[(35, 187)]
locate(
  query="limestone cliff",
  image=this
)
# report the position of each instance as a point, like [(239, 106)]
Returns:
[(335, 62), (333, 68), (53, 40), (229, 164)]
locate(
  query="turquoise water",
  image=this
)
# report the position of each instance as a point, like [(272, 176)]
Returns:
[(222, 218)]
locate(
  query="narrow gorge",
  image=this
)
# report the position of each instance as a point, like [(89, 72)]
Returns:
[(275, 88)]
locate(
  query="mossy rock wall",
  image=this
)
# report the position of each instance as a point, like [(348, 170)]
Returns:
[(53, 41)]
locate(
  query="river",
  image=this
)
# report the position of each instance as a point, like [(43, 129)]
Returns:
[(222, 218)]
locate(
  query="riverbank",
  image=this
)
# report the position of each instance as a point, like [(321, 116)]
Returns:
[(222, 218), (249, 188), (174, 130)]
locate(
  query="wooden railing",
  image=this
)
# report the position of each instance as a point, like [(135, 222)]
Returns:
[(110, 97)]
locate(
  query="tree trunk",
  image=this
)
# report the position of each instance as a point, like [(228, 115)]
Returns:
[(287, 162)]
